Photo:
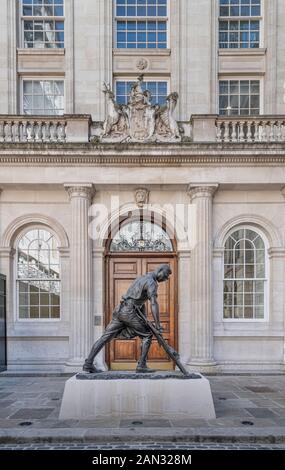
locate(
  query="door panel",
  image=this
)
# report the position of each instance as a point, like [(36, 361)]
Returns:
[(121, 271)]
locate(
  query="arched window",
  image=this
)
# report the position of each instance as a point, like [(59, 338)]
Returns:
[(38, 275), (141, 235), (244, 275)]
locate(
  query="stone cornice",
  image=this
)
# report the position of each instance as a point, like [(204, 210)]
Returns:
[(148, 155)]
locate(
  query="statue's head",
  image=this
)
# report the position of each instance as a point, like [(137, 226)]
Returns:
[(173, 97), (163, 272)]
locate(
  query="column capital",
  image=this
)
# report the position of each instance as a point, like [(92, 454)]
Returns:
[(85, 190), (205, 190)]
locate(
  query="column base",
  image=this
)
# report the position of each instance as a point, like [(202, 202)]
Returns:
[(203, 365), (74, 365)]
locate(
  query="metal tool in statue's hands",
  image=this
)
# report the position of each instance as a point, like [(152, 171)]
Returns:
[(158, 328)]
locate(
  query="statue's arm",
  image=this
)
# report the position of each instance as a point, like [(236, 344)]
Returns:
[(155, 311)]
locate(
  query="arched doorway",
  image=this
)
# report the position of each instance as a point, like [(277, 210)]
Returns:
[(138, 247)]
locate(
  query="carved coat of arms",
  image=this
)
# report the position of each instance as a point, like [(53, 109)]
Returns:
[(139, 120)]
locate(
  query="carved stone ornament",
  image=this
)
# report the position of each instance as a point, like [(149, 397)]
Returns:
[(142, 64), (139, 120), (141, 197)]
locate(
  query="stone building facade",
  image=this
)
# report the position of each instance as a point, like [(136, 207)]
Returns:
[(224, 308)]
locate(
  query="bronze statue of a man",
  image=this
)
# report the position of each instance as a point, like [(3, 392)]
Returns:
[(127, 323)]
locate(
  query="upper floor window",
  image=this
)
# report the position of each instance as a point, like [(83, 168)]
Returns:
[(38, 276), (239, 97), (244, 275), (43, 33), (43, 97), (240, 7), (141, 24), (242, 32), (158, 90)]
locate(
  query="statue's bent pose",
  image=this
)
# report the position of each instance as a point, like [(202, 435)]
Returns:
[(126, 322)]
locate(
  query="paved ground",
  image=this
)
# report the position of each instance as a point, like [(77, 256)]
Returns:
[(250, 410), (140, 446)]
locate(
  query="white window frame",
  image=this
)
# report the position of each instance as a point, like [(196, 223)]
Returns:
[(243, 18), (23, 18), (265, 319), (146, 79), (42, 78), (239, 78), (141, 18), (16, 283)]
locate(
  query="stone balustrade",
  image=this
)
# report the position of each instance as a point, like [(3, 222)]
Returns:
[(76, 128), (46, 129), (231, 129), (250, 129)]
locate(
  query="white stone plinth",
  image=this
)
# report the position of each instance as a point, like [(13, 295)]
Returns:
[(166, 397)]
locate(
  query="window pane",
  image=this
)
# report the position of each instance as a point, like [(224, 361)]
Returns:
[(259, 312), (41, 11), (158, 91), (248, 312), (244, 260), (46, 96), (242, 96), (157, 37), (130, 236), (36, 292), (229, 271)]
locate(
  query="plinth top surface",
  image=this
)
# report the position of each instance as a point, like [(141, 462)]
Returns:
[(131, 375)]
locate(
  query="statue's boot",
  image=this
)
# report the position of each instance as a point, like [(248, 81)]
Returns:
[(108, 334), (144, 370), (142, 367), (88, 367)]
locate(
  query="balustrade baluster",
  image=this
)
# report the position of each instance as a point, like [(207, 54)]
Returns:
[(241, 131), (47, 131), (271, 131), (25, 131), (219, 131), (8, 132), (234, 131), (32, 131), (39, 131), (16, 131), (227, 132)]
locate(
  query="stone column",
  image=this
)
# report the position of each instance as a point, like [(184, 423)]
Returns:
[(201, 195), (81, 324)]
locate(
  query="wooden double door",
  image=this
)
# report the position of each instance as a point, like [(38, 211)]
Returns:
[(121, 272)]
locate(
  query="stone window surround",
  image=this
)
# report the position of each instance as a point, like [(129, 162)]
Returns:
[(40, 78), (20, 235), (23, 18), (222, 77), (260, 18), (141, 18), (265, 318), (9, 242), (17, 279)]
